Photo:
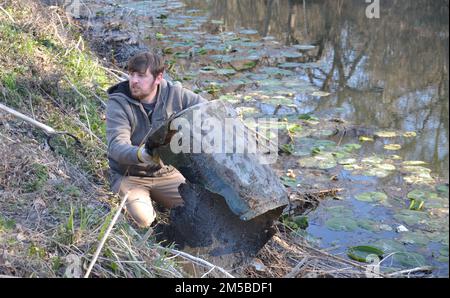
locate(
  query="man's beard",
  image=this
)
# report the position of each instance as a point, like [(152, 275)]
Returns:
[(140, 95)]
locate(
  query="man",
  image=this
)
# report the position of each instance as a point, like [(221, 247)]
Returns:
[(134, 107)]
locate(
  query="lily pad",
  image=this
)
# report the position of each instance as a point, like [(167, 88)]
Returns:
[(443, 189), (390, 246), (289, 181), (292, 55), (416, 237), (304, 47), (372, 160), (444, 251), (386, 166), (290, 65), (353, 167), (414, 163), (322, 161), (410, 134), (408, 259), (421, 195), (362, 253), (365, 139), (320, 93), (368, 224), (226, 71), (347, 161), (248, 32), (418, 175), (386, 134), (372, 197), (377, 172), (393, 147), (276, 71), (341, 224), (351, 147), (339, 211), (411, 217)]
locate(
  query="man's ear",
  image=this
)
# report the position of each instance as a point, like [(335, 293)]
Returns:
[(159, 78)]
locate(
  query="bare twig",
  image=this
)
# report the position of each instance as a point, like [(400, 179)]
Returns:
[(81, 94), (7, 13), (87, 119), (40, 125), (296, 269), (195, 259), (105, 236), (425, 269)]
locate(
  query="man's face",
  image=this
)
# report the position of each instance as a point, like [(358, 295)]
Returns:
[(142, 85)]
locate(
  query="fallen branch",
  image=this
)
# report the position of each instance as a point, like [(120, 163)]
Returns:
[(81, 94), (7, 13), (105, 236), (195, 259), (322, 193), (425, 269), (296, 269), (47, 129)]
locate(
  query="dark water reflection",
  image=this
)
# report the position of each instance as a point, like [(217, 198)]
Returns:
[(390, 72)]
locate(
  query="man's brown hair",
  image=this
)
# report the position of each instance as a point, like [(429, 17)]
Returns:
[(143, 61)]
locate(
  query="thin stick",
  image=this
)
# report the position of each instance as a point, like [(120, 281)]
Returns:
[(426, 269), (81, 94), (42, 126), (195, 259), (88, 123), (102, 242), (296, 269), (7, 13), (8, 276)]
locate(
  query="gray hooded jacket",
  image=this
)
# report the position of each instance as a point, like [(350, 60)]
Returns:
[(127, 124)]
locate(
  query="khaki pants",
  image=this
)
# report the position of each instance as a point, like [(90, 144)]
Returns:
[(142, 190)]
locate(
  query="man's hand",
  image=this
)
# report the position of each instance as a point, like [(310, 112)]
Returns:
[(145, 157)]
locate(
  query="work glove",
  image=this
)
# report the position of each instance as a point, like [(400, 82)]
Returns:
[(147, 157)]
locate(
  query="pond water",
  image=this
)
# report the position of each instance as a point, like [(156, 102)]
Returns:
[(307, 62)]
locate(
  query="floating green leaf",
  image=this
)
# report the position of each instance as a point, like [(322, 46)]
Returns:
[(351, 147), (291, 55), (365, 139), (341, 224), (290, 65), (372, 160), (289, 181), (377, 172), (386, 134), (347, 161), (390, 246), (409, 259), (416, 237), (368, 224), (386, 166), (320, 93), (414, 163), (393, 147), (363, 253), (411, 217), (304, 47), (372, 196), (226, 71), (410, 134), (301, 221)]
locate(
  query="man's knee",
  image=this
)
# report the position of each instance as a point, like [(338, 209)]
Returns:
[(140, 207)]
